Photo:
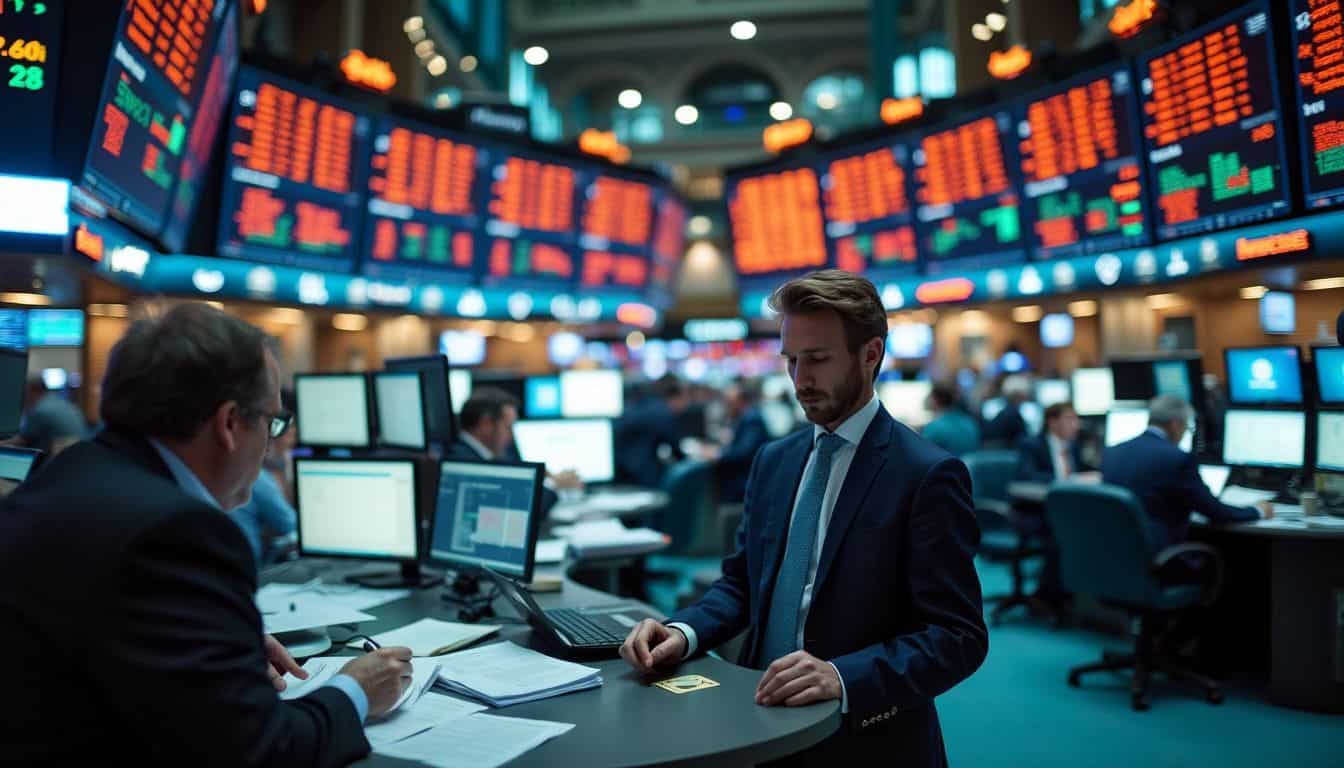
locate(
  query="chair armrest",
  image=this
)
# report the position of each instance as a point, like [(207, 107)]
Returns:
[(1213, 585)]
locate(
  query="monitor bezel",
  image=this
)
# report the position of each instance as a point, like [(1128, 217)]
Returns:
[(459, 564), (424, 414), (1316, 373), (419, 362), (611, 425), (298, 410), (418, 557)]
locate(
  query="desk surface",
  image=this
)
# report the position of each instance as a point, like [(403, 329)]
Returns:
[(626, 721)]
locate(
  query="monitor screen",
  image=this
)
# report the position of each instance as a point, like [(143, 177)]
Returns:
[(870, 222), (1318, 26), (440, 399), (13, 384), (1213, 131), (1057, 330), (592, 394), (462, 347), (32, 36), (55, 327), (1125, 424), (1051, 391), (906, 401), (16, 463), (333, 410), (356, 508), (669, 243), (293, 178), (967, 205), (775, 218), (13, 328), (1264, 375), (530, 236), (1081, 165), (1013, 361), (1278, 312), (582, 445), (399, 400), (615, 229), (1330, 441), (1093, 391), (426, 189), (1172, 377), (1133, 379), (486, 515), (459, 388), (542, 397), (910, 341), (1264, 438), (1330, 374)]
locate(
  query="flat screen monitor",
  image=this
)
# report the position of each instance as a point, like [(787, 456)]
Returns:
[(55, 327), (1268, 375), (1051, 391), (13, 328), (582, 445), (1317, 27), (1213, 126), (400, 403), (910, 341), (1125, 424), (592, 394), (1082, 165), (486, 515), (440, 398), (17, 463), (13, 384), (1278, 313), (1330, 374), (1330, 441), (906, 401), (361, 508), (1264, 438), (1093, 391), (459, 388), (1057, 330), (333, 410), (1133, 379), (1215, 476), (866, 191), (1172, 377), (669, 244), (774, 216), (542, 397)]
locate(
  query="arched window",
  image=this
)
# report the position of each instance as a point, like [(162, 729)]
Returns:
[(730, 96), (600, 106)]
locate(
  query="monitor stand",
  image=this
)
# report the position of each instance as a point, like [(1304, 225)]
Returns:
[(465, 591), (408, 577)]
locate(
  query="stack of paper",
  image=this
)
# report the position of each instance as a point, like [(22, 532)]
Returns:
[(504, 674), (609, 538), (431, 637), (430, 711), (1241, 496), (475, 741), (291, 607), (424, 674)]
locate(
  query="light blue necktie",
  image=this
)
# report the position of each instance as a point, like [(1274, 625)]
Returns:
[(781, 628)]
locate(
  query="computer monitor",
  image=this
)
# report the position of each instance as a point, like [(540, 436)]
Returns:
[(1276, 439), (399, 399), (333, 410), (591, 394), (1264, 375), (1051, 391), (543, 400), (486, 515), (907, 401), (1330, 441), (1093, 391), (17, 463), (1172, 377), (360, 508), (1125, 424), (583, 445), (13, 383), (459, 389), (1330, 374), (1133, 380), (1215, 476), (440, 396)]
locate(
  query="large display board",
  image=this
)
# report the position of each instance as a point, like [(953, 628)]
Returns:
[(1318, 39), (669, 243), (867, 208), (1213, 131), (616, 227), (530, 237), (30, 52), (775, 217)]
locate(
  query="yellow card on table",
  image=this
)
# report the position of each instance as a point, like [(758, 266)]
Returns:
[(686, 684)]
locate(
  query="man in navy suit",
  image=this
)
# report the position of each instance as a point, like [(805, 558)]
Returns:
[(1055, 453), (853, 574), (645, 428), (733, 463), (487, 420)]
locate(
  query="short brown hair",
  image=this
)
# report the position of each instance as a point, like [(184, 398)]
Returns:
[(1056, 410), (853, 297), (486, 402), (169, 374)]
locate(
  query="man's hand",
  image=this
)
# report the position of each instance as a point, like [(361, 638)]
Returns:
[(652, 644), (1266, 509), (797, 679), (384, 675), (567, 480), (278, 662)]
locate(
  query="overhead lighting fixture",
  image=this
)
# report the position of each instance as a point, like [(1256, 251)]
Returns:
[(437, 66), (781, 110), (742, 30), (1028, 314), (1084, 308), (413, 23), (634, 340), (1164, 300), (108, 310), (536, 55), (827, 100), (416, 35), (686, 114), (468, 63), (997, 22), (1323, 284), (27, 299), (349, 322), (630, 98), (699, 226), (443, 101), (285, 315), (220, 306), (982, 33), (1253, 291), (424, 49)]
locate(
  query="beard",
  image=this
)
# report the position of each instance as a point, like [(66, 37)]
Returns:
[(828, 407)]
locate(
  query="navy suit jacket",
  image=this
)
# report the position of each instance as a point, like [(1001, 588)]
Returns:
[(1005, 429), (1035, 464), (1166, 479), (896, 604), (734, 463), (637, 436)]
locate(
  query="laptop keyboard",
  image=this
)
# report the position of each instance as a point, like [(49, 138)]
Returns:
[(581, 630)]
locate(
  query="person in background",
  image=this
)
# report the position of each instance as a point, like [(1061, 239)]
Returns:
[(1056, 453), (648, 427), (265, 517), (51, 422), (733, 463), (153, 590), (1008, 426), (486, 434), (951, 429)]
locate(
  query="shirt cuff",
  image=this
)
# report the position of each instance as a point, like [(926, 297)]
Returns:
[(347, 685), (844, 694), (691, 643)]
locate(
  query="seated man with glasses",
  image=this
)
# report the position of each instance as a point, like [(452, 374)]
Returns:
[(121, 572)]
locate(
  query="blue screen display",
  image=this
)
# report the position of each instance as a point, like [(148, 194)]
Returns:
[(1172, 377), (483, 516), (55, 327), (543, 397), (1278, 312), (13, 328), (1264, 375), (1330, 374)]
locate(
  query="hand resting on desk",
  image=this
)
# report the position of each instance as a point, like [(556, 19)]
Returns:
[(384, 675), (651, 645), (798, 679)]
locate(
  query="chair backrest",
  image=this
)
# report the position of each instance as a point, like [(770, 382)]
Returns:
[(691, 515), (1105, 547), (991, 472)]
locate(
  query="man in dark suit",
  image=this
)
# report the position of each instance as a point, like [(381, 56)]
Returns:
[(119, 566), (1056, 453), (1166, 479), (733, 462), (1008, 426), (487, 420), (853, 574), (647, 426)]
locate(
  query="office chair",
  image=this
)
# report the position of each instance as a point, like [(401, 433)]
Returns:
[(1002, 539), (1106, 551), (690, 518)]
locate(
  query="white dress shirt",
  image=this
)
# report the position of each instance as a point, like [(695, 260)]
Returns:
[(851, 430), (477, 446), (1057, 449)]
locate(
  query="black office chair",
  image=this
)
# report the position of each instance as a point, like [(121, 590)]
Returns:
[(1002, 539), (1106, 551)]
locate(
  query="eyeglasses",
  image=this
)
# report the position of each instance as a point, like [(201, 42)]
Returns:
[(279, 423)]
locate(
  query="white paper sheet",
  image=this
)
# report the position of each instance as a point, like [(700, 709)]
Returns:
[(476, 741)]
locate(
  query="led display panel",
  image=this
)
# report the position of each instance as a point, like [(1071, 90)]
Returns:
[(1318, 39), (870, 223), (776, 223), (530, 232), (30, 55)]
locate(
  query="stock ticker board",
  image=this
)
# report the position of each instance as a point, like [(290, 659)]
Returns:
[(1318, 36), (530, 234), (776, 223), (869, 219), (615, 229), (30, 52)]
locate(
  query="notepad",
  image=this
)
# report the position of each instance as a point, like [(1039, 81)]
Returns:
[(432, 637), (504, 674)]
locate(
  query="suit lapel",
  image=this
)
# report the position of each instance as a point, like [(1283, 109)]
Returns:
[(868, 460)]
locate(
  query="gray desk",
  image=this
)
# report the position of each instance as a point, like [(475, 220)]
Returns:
[(627, 721)]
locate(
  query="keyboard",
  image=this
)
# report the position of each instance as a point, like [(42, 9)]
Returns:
[(581, 630)]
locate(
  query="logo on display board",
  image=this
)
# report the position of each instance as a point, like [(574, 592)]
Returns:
[(1208, 252), (485, 117), (431, 298), (389, 294), (129, 259), (562, 307), (892, 297), (207, 280), (261, 280), (1262, 374), (520, 305), (1030, 282), (1107, 267), (1145, 264), (357, 291), (472, 303), (1177, 266), (313, 289), (1065, 276), (997, 282)]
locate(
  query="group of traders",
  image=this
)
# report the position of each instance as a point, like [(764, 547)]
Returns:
[(852, 577)]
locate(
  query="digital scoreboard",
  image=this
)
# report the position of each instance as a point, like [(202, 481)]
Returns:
[(866, 203), (1213, 132), (1318, 38), (293, 181), (530, 236), (30, 52), (669, 243), (775, 217), (615, 232), (1081, 168)]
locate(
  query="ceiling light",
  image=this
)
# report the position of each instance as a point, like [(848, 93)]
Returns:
[(827, 100), (29, 299), (1253, 291), (349, 322), (981, 32), (416, 35), (413, 23), (781, 110), (742, 30), (686, 114), (443, 101), (634, 340), (1084, 308), (996, 21), (468, 63), (284, 315), (1027, 314), (437, 66), (1164, 300), (630, 98), (1323, 284), (108, 310), (536, 55), (699, 226), (424, 49)]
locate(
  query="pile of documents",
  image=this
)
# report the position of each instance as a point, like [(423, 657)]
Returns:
[(504, 674), (291, 607), (432, 637), (609, 538)]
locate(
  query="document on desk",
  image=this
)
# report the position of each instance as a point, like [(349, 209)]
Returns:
[(504, 674), (1241, 496), (551, 551), (345, 595), (320, 670), (430, 711), (611, 538), (475, 741), (432, 637)]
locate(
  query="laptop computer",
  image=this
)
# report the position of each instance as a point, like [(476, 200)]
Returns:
[(589, 632), (16, 464)]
